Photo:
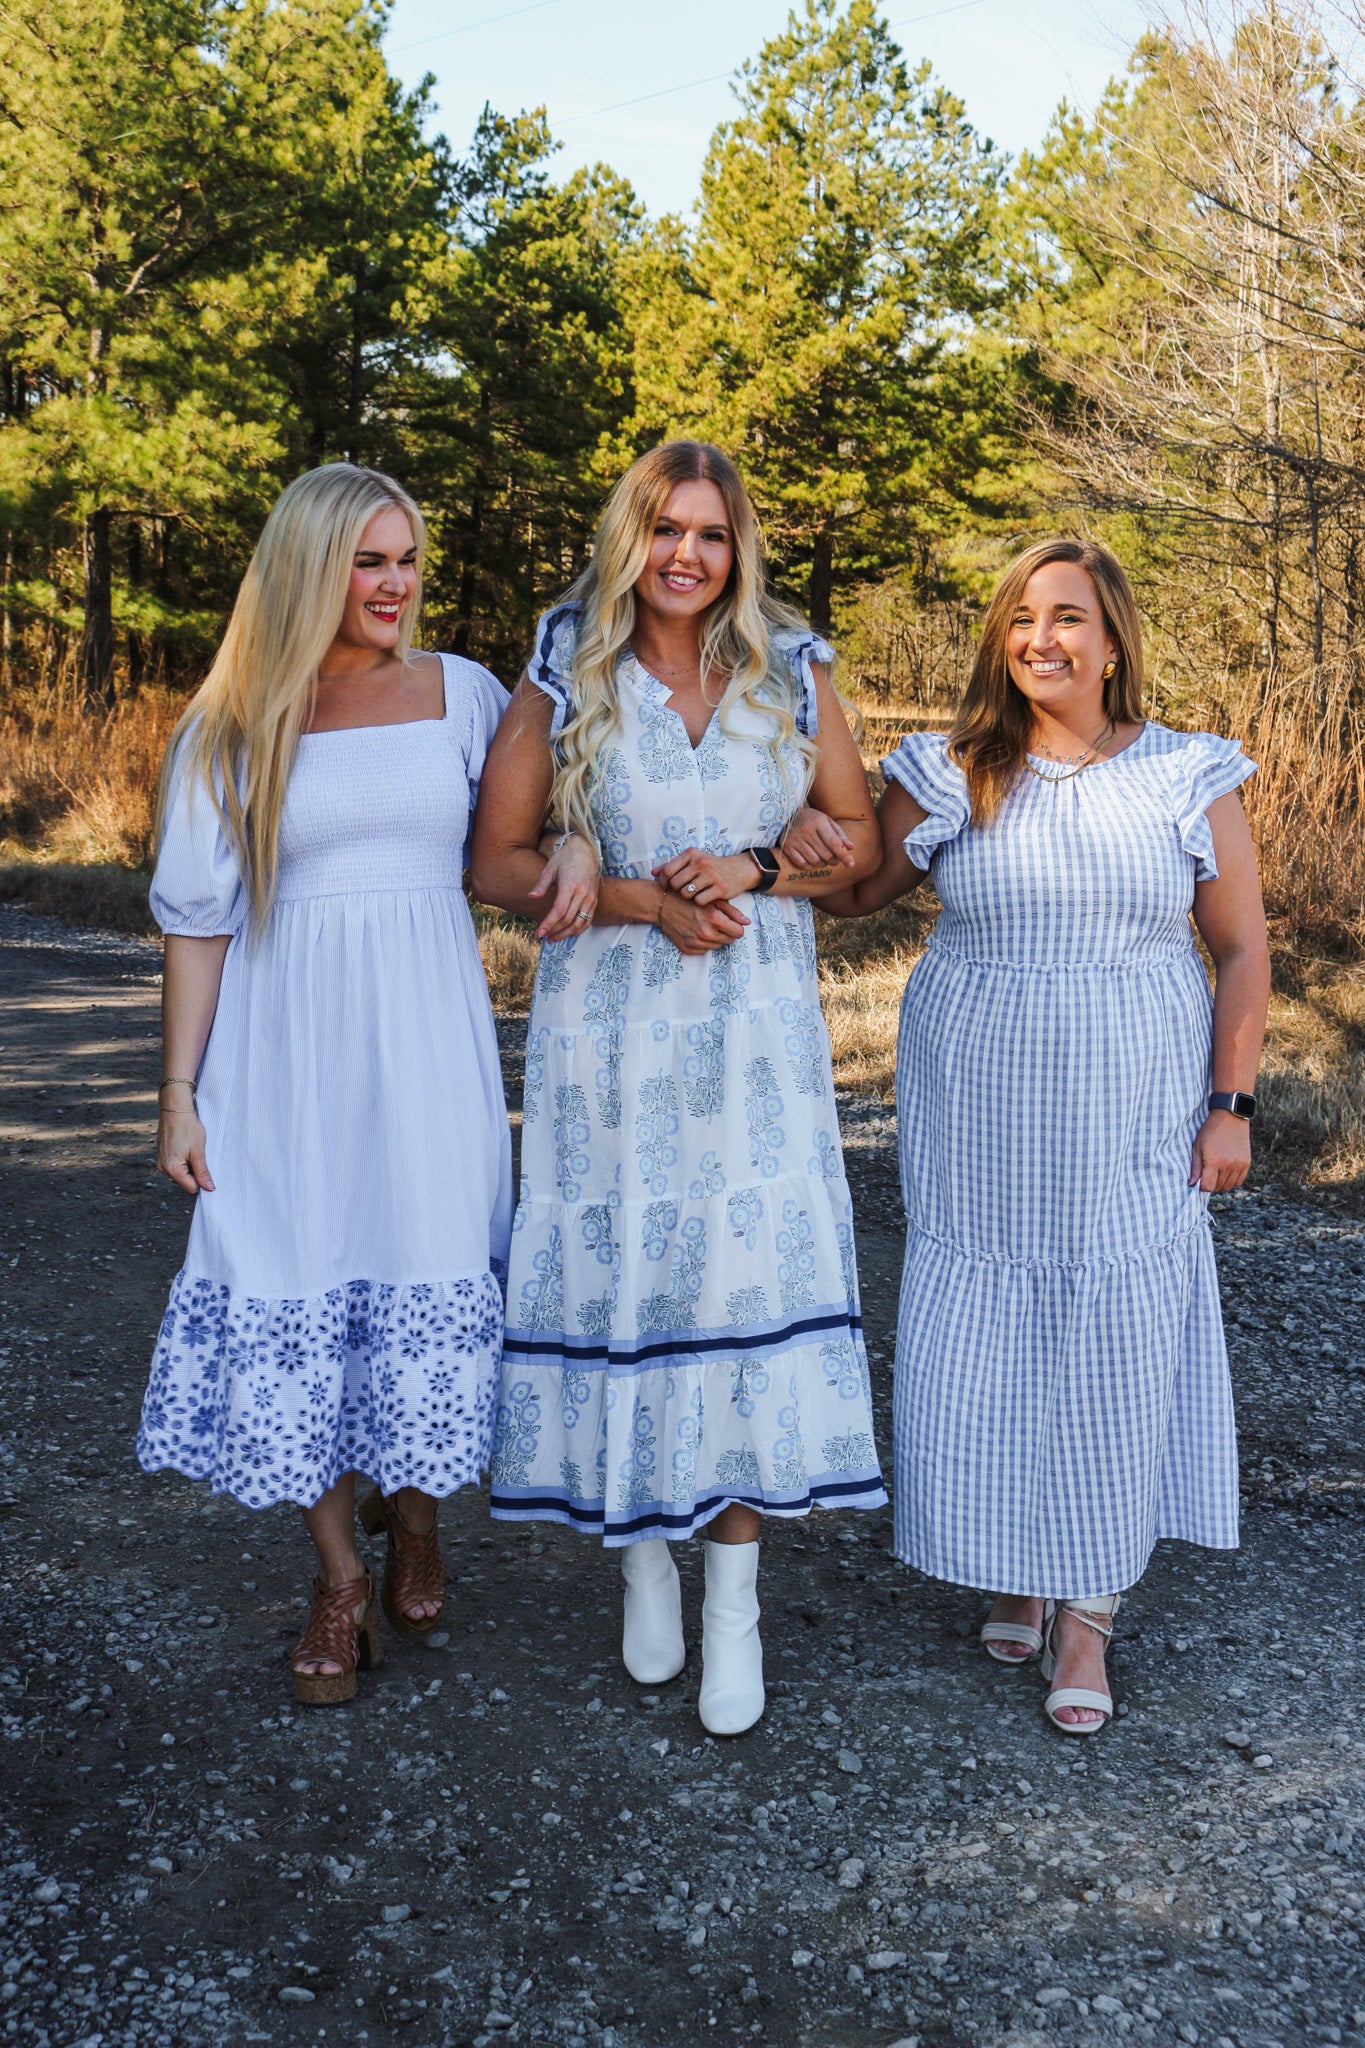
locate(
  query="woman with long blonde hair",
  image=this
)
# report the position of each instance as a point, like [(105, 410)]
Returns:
[(1069, 1097), (684, 1347), (331, 1092)]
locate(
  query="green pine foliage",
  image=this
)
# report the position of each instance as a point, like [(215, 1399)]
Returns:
[(233, 246), (829, 317)]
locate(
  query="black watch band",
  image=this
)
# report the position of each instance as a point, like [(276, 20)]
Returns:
[(769, 867), (1236, 1103)]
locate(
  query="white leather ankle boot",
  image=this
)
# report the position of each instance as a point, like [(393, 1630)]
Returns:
[(652, 1638), (732, 1655)]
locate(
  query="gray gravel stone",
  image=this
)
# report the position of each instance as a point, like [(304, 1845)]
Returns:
[(588, 1865)]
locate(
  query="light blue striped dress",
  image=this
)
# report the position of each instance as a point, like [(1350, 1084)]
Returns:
[(1062, 1397)]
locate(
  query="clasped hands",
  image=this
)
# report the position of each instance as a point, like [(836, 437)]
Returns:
[(697, 911)]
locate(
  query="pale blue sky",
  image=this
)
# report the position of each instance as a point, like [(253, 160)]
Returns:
[(1011, 61)]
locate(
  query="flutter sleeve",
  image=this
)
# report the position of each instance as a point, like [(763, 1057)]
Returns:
[(197, 890), (923, 769), (799, 650), (487, 701), (1206, 768), (551, 664)]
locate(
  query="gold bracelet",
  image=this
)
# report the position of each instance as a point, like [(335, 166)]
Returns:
[(179, 1081)]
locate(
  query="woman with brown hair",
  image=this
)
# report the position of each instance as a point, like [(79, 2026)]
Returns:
[(684, 1345), (1068, 1097)]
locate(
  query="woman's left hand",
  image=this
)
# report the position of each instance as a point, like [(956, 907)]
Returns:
[(708, 877), (575, 873), (815, 840), (1222, 1153)]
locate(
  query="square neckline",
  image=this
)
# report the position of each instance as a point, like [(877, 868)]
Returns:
[(395, 724)]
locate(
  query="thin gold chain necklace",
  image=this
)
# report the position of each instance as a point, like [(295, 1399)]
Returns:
[(1087, 759)]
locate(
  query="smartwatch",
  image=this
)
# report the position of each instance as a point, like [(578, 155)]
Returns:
[(769, 867), (1236, 1103)]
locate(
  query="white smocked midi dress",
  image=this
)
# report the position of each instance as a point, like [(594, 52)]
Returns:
[(1062, 1397), (683, 1324), (340, 1306)]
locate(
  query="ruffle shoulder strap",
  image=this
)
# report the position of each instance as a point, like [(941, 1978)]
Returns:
[(923, 769), (1206, 767), (799, 648), (551, 664)]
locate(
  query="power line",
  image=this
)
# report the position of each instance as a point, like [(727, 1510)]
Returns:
[(690, 85), (466, 27), (640, 98), (909, 20)]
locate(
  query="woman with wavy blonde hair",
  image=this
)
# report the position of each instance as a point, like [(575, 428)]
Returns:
[(329, 1056), (1069, 1096), (684, 1347)]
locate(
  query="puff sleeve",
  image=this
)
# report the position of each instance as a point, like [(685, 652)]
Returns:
[(1206, 768), (551, 664), (197, 890), (921, 766), (486, 700), (799, 650)]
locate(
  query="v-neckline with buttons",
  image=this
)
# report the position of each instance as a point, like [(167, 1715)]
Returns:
[(659, 691)]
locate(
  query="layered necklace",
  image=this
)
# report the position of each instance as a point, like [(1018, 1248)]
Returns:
[(1072, 764)]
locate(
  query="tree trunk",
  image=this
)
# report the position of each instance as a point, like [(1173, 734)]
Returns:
[(356, 394), (97, 639), (474, 543), (7, 617), (820, 597), (469, 572), (135, 647)]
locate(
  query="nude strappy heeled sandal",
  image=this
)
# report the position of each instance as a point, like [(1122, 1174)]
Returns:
[(1099, 1615), (1010, 1632), (334, 1636), (413, 1567)]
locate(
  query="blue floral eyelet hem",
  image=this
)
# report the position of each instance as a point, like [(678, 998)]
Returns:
[(275, 1400)]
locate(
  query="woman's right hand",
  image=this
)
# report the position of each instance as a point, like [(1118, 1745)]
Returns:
[(699, 928), (180, 1151), (575, 870)]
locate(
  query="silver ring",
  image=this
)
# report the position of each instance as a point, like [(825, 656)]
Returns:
[(583, 916), (691, 888)]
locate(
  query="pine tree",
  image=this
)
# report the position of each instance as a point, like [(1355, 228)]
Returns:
[(815, 324), (217, 211), (527, 382)]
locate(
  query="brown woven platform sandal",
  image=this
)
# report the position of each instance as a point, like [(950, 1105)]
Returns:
[(413, 1566), (334, 1633)]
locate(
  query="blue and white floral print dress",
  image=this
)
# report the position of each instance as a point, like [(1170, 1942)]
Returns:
[(1062, 1392), (340, 1306), (683, 1326)]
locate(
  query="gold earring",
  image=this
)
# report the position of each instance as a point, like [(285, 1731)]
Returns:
[(1109, 669)]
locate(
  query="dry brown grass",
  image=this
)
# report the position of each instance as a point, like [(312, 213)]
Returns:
[(76, 802), (79, 788), (509, 955), (1306, 802)]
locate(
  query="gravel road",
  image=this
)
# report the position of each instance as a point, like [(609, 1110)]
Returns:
[(504, 1841)]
